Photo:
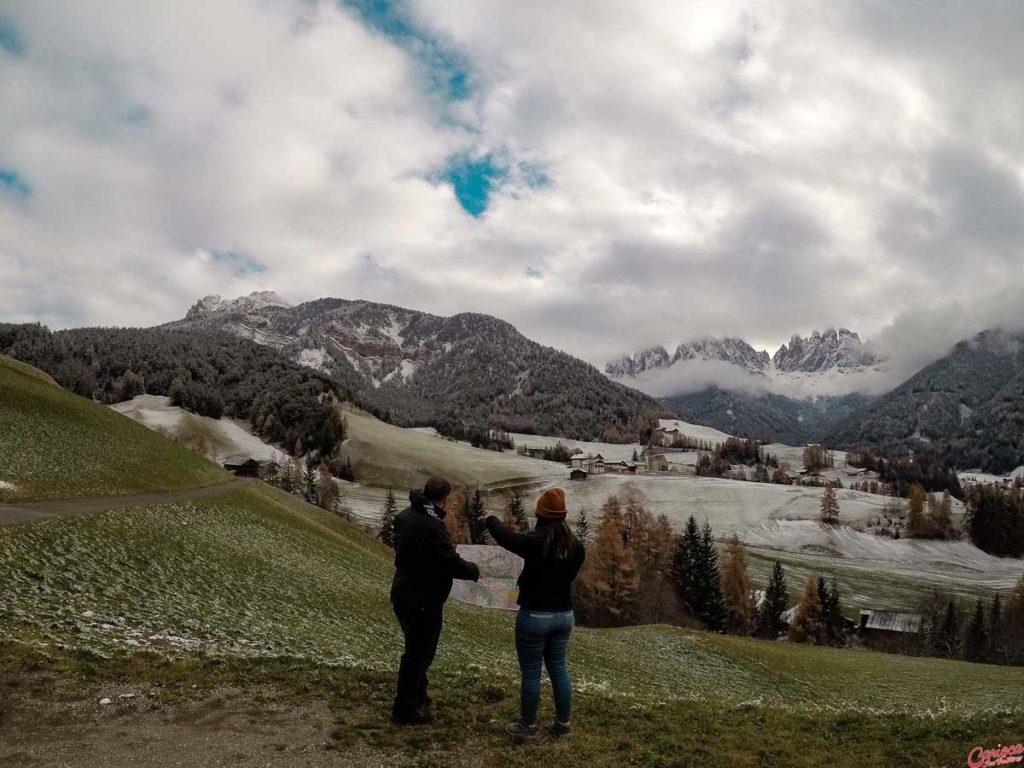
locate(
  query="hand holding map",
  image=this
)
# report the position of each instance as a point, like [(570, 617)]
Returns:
[(499, 570)]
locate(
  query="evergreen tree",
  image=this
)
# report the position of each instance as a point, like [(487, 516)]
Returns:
[(583, 529), (309, 479), (975, 641), (949, 631), (737, 588), (1013, 625), (829, 506), (831, 611), (387, 519), (808, 626), (761, 473), (517, 513), (684, 564), (474, 516), (711, 605), (775, 603), (996, 652)]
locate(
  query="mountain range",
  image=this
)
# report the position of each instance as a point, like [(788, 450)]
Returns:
[(794, 395), (419, 369)]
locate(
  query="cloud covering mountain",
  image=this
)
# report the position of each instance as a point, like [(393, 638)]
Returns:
[(600, 175)]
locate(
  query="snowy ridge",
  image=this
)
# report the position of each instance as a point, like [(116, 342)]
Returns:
[(254, 302), (833, 362)]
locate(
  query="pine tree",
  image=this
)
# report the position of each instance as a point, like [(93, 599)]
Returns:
[(516, 513), (636, 458), (1013, 625), (309, 480), (808, 626), (831, 611), (583, 529), (975, 641), (474, 516), (775, 603), (996, 652), (684, 565), (387, 519), (949, 631), (737, 588), (711, 608), (917, 523), (829, 506)]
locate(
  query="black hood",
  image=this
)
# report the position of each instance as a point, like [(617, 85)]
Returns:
[(421, 503)]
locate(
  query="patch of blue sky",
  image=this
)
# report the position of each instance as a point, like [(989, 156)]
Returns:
[(473, 180), (10, 38), (13, 182), (446, 69), (242, 264)]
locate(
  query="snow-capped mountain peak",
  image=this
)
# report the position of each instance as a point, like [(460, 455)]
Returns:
[(635, 364), (841, 349), (254, 302), (729, 350)]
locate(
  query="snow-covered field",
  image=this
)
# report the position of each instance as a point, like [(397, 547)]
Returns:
[(973, 477), (610, 451), (224, 438), (729, 505), (696, 431)]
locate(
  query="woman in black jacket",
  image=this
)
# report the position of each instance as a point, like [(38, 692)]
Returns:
[(553, 558)]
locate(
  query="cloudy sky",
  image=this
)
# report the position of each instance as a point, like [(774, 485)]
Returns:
[(604, 175)]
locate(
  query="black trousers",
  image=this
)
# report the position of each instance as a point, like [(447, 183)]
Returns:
[(422, 629)]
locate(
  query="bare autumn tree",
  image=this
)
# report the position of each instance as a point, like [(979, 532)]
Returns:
[(940, 513), (808, 626), (829, 506), (737, 588), (917, 522), (454, 520), (607, 589), (326, 490)]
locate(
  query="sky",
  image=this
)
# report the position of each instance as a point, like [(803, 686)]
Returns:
[(606, 176)]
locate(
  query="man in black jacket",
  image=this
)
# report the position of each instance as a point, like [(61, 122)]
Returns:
[(425, 565)]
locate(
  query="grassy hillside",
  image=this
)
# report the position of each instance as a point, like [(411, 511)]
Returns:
[(56, 445), (391, 457), (256, 586), (260, 574)]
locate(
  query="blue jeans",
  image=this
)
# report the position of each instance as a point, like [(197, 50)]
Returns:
[(543, 638)]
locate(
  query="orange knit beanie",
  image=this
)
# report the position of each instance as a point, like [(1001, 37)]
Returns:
[(551, 504)]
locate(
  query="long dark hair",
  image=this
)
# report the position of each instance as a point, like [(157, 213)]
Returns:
[(559, 540)]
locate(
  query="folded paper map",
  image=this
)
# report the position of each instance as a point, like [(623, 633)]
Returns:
[(499, 570)]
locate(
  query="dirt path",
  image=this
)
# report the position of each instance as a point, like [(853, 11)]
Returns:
[(27, 512), (235, 726)]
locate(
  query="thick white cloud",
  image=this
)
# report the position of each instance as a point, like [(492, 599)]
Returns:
[(731, 168)]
